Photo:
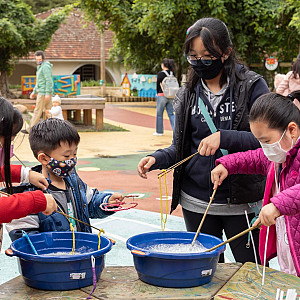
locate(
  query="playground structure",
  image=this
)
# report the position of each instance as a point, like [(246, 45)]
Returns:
[(141, 85), (63, 85)]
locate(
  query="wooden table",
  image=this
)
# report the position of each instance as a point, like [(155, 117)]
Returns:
[(122, 283), (85, 104), (76, 104), (246, 284)]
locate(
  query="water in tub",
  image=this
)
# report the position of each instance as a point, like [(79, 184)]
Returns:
[(177, 248)]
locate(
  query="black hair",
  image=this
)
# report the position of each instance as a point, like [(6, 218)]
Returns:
[(11, 122), (170, 64), (276, 110), (47, 135), (296, 67), (40, 53), (216, 39)]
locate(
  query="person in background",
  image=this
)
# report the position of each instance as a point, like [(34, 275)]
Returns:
[(275, 122), (43, 89), (56, 111), (163, 103), (223, 88), (291, 81)]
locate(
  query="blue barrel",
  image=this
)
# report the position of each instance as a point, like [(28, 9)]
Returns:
[(174, 269), (60, 272)]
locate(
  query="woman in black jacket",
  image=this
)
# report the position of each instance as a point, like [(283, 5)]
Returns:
[(227, 90)]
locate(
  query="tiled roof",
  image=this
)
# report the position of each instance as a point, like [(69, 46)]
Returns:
[(76, 39)]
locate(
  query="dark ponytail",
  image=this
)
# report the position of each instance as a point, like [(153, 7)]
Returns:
[(276, 110), (11, 123), (170, 64)]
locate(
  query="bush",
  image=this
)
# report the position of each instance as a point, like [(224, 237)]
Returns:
[(91, 82)]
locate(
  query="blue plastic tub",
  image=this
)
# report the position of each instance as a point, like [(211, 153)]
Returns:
[(174, 270), (64, 272)]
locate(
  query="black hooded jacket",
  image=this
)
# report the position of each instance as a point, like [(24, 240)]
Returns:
[(231, 119)]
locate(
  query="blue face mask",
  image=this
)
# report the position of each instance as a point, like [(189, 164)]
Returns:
[(61, 168)]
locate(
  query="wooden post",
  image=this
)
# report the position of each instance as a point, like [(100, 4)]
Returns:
[(87, 117), (65, 114), (78, 115), (102, 62), (99, 119)]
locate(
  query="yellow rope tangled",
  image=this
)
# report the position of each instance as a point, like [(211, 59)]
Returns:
[(73, 234), (99, 237), (163, 220)]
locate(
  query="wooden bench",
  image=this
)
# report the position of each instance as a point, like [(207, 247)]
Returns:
[(75, 104), (85, 104)]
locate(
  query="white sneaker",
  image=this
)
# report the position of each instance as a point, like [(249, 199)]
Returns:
[(156, 133)]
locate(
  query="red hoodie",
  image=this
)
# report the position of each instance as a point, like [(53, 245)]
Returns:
[(20, 205)]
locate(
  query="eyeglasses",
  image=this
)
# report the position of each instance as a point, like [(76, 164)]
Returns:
[(206, 59)]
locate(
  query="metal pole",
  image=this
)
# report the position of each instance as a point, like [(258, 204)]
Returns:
[(102, 62)]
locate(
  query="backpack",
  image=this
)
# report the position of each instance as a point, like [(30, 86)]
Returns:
[(169, 85)]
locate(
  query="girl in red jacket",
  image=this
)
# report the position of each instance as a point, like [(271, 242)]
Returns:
[(17, 205)]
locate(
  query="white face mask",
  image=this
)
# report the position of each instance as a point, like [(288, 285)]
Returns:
[(274, 152)]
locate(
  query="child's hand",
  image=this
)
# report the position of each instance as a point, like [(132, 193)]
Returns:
[(38, 180), (218, 174), (114, 198), (51, 205), (268, 215)]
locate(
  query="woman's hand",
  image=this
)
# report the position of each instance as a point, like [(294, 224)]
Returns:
[(144, 166), (38, 180), (115, 198), (51, 205), (218, 174), (210, 144), (268, 215)]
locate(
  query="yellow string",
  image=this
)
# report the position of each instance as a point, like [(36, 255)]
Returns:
[(73, 233), (163, 220), (99, 237)]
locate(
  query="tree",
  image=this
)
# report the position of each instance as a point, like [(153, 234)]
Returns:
[(21, 33), (294, 7), (38, 6), (146, 31)]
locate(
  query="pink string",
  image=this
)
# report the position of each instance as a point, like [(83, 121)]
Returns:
[(94, 277)]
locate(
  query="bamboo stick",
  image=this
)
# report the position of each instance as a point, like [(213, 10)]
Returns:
[(234, 237), (204, 216), (67, 216), (176, 165)]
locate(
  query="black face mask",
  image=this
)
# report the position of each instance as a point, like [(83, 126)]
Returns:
[(208, 72)]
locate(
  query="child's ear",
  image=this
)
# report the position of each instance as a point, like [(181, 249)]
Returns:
[(293, 128), (43, 158)]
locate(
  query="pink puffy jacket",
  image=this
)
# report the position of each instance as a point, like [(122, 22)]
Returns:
[(287, 201), (288, 84)]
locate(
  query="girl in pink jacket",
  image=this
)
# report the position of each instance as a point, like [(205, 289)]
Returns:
[(291, 81), (275, 122)]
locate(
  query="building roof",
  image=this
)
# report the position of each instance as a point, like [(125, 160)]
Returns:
[(76, 39)]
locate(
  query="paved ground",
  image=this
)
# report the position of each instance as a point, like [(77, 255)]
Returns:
[(107, 161)]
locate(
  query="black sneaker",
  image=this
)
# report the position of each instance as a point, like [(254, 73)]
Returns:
[(24, 131)]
